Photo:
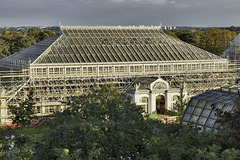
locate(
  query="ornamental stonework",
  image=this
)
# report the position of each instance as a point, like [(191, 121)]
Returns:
[(160, 85)]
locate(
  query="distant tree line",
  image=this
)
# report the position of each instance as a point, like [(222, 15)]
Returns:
[(231, 28), (12, 42), (214, 40), (25, 29)]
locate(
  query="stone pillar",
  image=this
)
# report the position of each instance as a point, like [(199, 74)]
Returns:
[(62, 108), (3, 112), (168, 101), (43, 110), (152, 107)]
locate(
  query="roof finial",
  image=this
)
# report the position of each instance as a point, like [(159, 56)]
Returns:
[(160, 25)]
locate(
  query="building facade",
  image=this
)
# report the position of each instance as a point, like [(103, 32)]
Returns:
[(154, 95), (68, 64)]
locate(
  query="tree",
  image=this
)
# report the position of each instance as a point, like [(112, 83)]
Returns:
[(170, 33), (21, 42), (186, 36), (98, 125), (13, 143), (24, 113), (233, 28), (215, 40), (33, 32), (102, 124), (49, 33), (6, 142), (229, 132), (44, 35), (12, 42), (180, 104)]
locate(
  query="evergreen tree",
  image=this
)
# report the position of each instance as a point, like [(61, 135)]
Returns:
[(180, 104), (24, 113)]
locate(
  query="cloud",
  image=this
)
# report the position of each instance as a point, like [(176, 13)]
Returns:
[(172, 2), (120, 12), (159, 2), (181, 5), (117, 1)]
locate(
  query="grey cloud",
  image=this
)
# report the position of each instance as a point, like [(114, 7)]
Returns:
[(120, 12), (160, 2)]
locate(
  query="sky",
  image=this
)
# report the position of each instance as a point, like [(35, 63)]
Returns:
[(194, 13)]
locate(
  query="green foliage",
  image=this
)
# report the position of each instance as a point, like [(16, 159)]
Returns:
[(39, 36), (175, 142), (153, 115), (14, 144), (12, 42), (170, 33), (99, 125), (186, 36), (214, 40), (33, 32), (5, 141), (215, 152), (180, 104), (103, 125), (171, 113), (24, 113), (229, 132)]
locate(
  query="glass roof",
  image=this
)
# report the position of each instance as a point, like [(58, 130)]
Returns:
[(26, 56), (97, 44), (201, 109), (233, 50), (119, 44)]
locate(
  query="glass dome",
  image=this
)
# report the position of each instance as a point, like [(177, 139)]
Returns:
[(201, 109)]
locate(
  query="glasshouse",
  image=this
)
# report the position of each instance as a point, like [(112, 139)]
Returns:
[(233, 50), (201, 109), (143, 62)]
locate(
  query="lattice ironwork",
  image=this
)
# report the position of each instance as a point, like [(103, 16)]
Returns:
[(68, 64), (201, 110)]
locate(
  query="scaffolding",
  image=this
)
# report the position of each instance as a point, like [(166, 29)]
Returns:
[(67, 65)]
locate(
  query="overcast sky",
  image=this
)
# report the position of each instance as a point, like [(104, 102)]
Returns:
[(206, 13)]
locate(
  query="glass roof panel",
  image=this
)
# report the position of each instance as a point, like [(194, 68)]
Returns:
[(206, 113), (219, 106), (210, 122), (194, 119), (207, 129), (227, 107), (213, 115), (202, 120), (209, 105), (186, 117), (197, 111), (201, 103), (194, 102)]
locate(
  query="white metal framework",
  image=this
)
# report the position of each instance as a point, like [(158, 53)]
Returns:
[(233, 50), (67, 64)]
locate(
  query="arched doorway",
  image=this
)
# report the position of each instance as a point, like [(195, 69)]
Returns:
[(160, 104)]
